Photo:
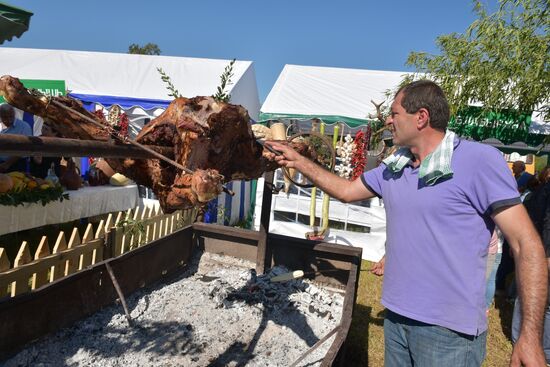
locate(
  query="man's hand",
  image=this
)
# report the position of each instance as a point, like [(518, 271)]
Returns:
[(526, 353), (288, 157), (335, 186), (378, 268)]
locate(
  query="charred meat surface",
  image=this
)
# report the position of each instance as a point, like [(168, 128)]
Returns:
[(212, 138), (62, 122)]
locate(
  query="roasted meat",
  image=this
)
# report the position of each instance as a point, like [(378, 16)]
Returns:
[(213, 139), (62, 122)]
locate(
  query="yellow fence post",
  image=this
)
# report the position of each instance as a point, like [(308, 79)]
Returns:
[(21, 283), (4, 266), (58, 270), (73, 263), (40, 278), (88, 257)]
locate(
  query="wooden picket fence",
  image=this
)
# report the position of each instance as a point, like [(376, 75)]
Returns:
[(130, 230)]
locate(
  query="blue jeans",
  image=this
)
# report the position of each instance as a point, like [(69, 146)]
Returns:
[(491, 280), (410, 343), (516, 327)]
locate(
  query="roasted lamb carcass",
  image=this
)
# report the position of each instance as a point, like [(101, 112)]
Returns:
[(211, 138), (206, 135)]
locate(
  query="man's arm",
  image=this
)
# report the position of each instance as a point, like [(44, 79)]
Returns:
[(337, 187), (532, 277)]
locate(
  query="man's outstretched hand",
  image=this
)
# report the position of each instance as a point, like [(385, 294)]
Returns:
[(304, 160), (288, 157)]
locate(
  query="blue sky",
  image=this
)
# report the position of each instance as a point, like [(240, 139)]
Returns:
[(350, 34)]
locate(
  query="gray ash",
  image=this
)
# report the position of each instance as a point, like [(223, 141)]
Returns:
[(218, 314)]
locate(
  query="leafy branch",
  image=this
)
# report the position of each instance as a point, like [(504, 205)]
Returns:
[(221, 95), (42, 196), (133, 227), (165, 78)]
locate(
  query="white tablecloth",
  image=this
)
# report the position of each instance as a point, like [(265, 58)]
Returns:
[(83, 203)]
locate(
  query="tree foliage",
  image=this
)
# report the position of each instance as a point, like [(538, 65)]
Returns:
[(500, 61), (148, 49)]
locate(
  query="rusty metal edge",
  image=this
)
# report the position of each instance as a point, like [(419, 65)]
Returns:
[(329, 248), (88, 291), (346, 252), (337, 351), (228, 231)]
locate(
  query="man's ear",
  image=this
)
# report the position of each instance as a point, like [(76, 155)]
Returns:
[(423, 118)]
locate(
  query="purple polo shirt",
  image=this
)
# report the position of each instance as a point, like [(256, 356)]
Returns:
[(438, 236)]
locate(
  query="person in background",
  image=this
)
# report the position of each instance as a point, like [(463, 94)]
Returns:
[(532, 185), (441, 210), (493, 261), (522, 177), (538, 208), (535, 203), (505, 278), (39, 165), (16, 127), (534, 199)]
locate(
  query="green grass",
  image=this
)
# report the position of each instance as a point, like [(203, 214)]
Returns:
[(366, 337)]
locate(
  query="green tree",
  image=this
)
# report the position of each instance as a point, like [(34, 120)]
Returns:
[(148, 49), (500, 61)]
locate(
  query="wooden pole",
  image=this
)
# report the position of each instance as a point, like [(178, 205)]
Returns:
[(20, 145), (263, 256)]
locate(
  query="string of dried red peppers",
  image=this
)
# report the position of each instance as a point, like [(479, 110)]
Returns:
[(359, 156)]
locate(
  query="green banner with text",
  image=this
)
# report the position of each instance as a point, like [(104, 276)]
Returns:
[(52, 88)]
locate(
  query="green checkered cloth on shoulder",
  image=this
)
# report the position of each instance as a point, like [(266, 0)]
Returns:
[(436, 165)]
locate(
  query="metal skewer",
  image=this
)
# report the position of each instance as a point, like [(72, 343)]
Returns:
[(263, 144)]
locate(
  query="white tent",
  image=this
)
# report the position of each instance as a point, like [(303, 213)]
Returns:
[(133, 82), (131, 79), (337, 94), (333, 95)]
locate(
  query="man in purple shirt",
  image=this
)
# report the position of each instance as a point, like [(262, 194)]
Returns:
[(439, 223)]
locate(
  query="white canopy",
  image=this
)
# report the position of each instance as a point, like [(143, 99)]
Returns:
[(131, 76), (332, 94), (336, 94)]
